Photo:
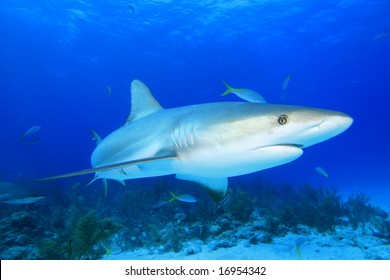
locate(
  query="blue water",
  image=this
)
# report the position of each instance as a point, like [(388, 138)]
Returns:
[(59, 57)]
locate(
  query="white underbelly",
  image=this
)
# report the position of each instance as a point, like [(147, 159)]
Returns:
[(208, 163)]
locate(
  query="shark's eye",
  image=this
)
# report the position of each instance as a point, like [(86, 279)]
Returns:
[(283, 119)]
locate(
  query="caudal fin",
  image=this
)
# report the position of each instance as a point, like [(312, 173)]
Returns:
[(228, 90)]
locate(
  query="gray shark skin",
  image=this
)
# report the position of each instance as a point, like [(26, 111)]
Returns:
[(207, 143), (12, 193)]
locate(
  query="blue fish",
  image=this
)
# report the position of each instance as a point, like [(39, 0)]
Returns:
[(182, 197), (285, 82), (30, 131), (320, 170), (244, 93)]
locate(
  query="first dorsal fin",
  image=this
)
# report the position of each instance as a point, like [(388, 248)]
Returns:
[(142, 101)]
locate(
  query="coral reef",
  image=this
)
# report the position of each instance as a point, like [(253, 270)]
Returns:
[(87, 241), (130, 219)]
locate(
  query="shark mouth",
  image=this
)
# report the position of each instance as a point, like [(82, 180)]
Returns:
[(291, 145), (299, 146)]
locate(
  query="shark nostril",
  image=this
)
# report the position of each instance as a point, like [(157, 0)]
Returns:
[(323, 123), (335, 122)]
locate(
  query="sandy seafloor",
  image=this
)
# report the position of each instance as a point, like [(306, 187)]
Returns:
[(343, 244), (346, 244)]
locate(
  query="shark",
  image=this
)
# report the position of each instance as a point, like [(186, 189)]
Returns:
[(208, 143), (12, 193)]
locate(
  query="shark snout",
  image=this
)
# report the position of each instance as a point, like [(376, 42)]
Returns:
[(325, 127), (335, 124)]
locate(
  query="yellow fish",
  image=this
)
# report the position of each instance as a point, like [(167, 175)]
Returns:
[(244, 93), (182, 197)]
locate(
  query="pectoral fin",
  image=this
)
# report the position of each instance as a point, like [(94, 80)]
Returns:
[(216, 187), (109, 167)]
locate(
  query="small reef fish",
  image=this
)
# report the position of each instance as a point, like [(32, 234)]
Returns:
[(30, 131), (131, 8), (108, 251), (243, 93), (95, 136), (182, 197), (109, 89), (33, 141), (381, 36), (320, 170), (298, 244), (285, 82), (12, 193), (237, 36)]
